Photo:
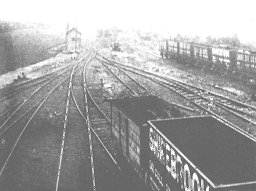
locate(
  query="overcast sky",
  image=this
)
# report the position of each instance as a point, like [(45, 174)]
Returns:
[(187, 17)]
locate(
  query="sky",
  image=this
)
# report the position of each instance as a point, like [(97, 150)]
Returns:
[(169, 17)]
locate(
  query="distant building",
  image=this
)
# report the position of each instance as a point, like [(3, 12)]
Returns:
[(73, 40)]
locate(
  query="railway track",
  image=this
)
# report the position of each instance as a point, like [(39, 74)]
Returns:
[(65, 124), (95, 148), (137, 88), (13, 102), (16, 88), (13, 136), (53, 141), (104, 168), (235, 105), (237, 114), (98, 119), (21, 137), (76, 134), (14, 95), (25, 105), (98, 112), (134, 88), (140, 89)]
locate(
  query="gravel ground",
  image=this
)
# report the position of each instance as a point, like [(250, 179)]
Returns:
[(210, 80), (34, 163)]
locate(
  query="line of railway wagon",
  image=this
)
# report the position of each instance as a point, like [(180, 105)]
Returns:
[(239, 62), (170, 150)]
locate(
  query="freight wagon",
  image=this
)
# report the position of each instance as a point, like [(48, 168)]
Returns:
[(200, 154), (202, 55), (174, 152), (240, 62), (246, 64), (128, 117)]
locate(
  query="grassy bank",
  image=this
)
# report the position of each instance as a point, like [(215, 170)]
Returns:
[(24, 46)]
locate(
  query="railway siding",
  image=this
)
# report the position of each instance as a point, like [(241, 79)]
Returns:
[(199, 97)]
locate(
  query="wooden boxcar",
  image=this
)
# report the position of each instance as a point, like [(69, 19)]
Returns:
[(221, 58), (185, 52), (202, 55), (200, 154), (128, 117), (172, 49), (246, 63)]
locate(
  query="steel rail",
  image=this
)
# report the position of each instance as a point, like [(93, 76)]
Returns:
[(105, 117), (146, 90), (236, 102), (38, 107), (198, 96), (132, 79), (26, 100), (64, 128), (203, 108), (15, 88), (16, 91), (65, 124), (133, 93), (95, 133), (9, 110), (88, 126)]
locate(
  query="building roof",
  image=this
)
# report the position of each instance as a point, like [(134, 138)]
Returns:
[(73, 30), (144, 108), (223, 154)]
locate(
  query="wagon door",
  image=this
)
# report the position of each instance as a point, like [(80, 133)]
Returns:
[(123, 136), (134, 145)]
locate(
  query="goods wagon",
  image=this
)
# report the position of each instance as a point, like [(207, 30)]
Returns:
[(199, 154), (184, 52), (246, 64), (169, 49), (222, 59), (202, 55), (128, 117)]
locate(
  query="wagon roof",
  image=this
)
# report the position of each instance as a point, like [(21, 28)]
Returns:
[(144, 108), (201, 45), (225, 155)]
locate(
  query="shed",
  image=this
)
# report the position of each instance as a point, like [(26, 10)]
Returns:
[(73, 40)]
